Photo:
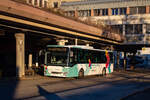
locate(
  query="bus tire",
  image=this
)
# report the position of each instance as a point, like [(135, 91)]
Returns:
[(81, 73), (104, 72)]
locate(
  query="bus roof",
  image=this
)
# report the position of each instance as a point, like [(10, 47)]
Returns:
[(77, 46)]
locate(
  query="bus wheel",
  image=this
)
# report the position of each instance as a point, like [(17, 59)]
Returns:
[(81, 73), (104, 72)]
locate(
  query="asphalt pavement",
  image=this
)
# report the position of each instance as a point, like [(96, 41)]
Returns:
[(114, 86)]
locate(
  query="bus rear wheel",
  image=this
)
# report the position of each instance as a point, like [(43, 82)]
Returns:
[(81, 73), (104, 72)]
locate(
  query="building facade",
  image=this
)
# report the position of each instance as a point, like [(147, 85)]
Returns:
[(57, 3), (38, 3), (48, 3), (131, 17)]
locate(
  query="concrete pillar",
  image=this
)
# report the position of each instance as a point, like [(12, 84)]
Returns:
[(43, 3), (32, 2), (92, 12), (109, 12), (128, 11), (123, 30), (38, 3), (147, 10), (30, 61), (76, 13), (20, 54)]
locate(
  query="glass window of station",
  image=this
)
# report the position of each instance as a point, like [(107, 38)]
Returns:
[(70, 13), (119, 11), (138, 10), (84, 13), (100, 12)]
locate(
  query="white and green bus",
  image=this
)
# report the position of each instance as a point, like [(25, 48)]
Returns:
[(77, 61)]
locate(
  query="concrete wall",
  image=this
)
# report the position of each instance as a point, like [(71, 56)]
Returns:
[(101, 5), (121, 19)]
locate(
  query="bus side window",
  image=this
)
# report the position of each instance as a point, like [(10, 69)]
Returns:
[(73, 56)]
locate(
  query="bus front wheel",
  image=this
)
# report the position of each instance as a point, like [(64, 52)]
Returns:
[(81, 73)]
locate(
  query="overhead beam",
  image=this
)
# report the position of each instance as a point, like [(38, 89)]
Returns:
[(17, 20)]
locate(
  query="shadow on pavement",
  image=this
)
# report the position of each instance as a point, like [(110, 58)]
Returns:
[(7, 89), (140, 95), (47, 95)]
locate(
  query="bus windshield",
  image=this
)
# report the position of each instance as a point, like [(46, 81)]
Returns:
[(57, 56)]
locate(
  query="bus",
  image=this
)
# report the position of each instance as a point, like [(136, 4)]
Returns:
[(76, 61)]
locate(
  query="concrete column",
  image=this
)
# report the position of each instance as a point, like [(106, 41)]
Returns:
[(128, 11), (147, 10), (32, 2), (38, 3), (123, 30), (43, 3), (20, 54), (109, 12), (92, 12), (30, 61)]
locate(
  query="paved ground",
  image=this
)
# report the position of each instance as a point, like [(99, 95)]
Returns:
[(140, 95), (112, 87)]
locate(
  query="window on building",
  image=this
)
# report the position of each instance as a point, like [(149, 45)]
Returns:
[(66, 13), (134, 29), (40, 3), (84, 13), (89, 12), (138, 10), (122, 11), (133, 10), (115, 11), (104, 12), (97, 12), (35, 2), (71, 13), (142, 10), (117, 28), (45, 4), (80, 13), (55, 4)]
